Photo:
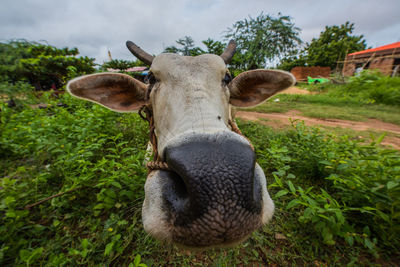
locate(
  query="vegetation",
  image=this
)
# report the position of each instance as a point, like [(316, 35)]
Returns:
[(42, 65), (266, 39), (262, 39), (333, 45), (370, 95), (187, 48), (259, 40), (336, 197), (72, 174), (120, 64)]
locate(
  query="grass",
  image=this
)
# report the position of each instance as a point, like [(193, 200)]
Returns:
[(88, 147), (336, 196), (325, 107)]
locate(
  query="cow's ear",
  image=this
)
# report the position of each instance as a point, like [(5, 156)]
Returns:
[(252, 87), (116, 91)]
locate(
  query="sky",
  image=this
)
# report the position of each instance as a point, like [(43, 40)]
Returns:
[(98, 26)]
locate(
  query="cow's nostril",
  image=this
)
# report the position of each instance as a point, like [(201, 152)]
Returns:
[(217, 172), (175, 192)]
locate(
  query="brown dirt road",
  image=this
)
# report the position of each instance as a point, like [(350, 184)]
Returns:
[(294, 90), (281, 120)]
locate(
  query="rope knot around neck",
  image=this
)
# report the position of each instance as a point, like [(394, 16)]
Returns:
[(146, 113)]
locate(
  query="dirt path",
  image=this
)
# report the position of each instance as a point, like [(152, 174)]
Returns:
[(280, 120), (294, 90)]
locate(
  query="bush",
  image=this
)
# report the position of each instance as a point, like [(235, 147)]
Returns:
[(93, 154), (342, 189), (368, 87), (42, 65), (338, 190), (375, 87)]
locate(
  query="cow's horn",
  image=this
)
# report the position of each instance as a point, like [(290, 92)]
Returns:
[(229, 51), (139, 53)]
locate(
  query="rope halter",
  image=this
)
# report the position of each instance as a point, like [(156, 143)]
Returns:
[(146, 113)]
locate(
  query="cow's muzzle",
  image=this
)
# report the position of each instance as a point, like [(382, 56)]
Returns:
[(214, 194)]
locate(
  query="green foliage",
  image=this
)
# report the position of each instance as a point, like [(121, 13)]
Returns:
[(333, 45), (374, 87), (42, 65), (368, 87), (341, 189), (262, 39), (332, 194), (186, 47), (294, 59), (18, 92), (121, 64), (84, 147), (214, 47)]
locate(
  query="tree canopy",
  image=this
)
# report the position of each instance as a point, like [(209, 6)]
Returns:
[(42, 65), (186, 47), (333, 44), (121, 64), (263, 39)]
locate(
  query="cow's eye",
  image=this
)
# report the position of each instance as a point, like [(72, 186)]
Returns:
[(228, 78), (150, 78)]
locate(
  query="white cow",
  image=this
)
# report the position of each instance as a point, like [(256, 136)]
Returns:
[(212, 192)]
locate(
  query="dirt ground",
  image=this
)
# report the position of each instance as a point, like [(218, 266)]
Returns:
[(281, 120), (295, 91)]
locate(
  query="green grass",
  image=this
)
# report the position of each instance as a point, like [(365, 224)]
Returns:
[(367, 96), (326, 107), (99, 152)]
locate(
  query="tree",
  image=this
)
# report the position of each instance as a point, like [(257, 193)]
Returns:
[(187, 47), (294, 59), (214, 47), (263, 39), (42, 65), (121, 64), (333, 44)]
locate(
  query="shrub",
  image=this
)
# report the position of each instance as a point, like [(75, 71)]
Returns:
[(368, 87), (93, 153), (341, 188), (340, 192)]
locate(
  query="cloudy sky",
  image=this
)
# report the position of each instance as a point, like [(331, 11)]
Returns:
[(96, 26)]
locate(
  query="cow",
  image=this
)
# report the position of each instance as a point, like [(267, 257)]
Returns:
[(205, 188)]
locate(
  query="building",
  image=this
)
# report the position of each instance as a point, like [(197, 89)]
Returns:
[(384, 58), (302, 73)]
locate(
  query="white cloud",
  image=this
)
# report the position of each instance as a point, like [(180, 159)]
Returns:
[(94, 26)]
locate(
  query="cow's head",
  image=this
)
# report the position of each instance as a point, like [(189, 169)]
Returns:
[(215, 193)]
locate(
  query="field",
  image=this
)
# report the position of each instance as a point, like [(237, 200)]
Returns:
[(337, 191)]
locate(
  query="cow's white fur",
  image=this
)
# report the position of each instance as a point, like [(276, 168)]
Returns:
[(189, 96), (189, 99)]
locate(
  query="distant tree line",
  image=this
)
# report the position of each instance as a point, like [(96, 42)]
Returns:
[(42, 65), (263, 41), (268, 40), (332, 46)]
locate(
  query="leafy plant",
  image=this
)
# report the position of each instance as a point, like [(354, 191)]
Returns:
[(333, 45), (42, 65), (262, 39), (349, 191), (72, 188), (186, 47)]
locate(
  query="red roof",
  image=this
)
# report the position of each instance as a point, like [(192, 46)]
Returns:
[(381, 48)]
